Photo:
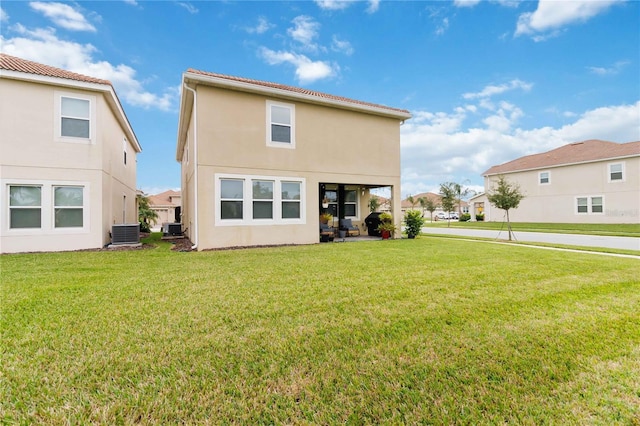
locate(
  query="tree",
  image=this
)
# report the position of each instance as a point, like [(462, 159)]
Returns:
[(412, 201), (460, 193), (505, 196), (145, 214), (428, 204), (448, 191), (374, 203)]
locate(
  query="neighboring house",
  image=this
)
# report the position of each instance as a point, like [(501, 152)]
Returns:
[(68, 163), (260, 159), (584, 182), (167, 206), (437, 199)]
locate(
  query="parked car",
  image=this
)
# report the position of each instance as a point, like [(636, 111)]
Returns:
[(454, 215), (441, 216)]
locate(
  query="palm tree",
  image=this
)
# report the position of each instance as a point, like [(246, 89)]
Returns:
[(146, 215)]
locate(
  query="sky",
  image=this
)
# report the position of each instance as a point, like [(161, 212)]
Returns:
[(486, 81)]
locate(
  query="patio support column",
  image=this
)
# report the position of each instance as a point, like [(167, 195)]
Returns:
[(340, 201)]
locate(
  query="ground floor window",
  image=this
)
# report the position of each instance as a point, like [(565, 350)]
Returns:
[(590, 205), (259, 200), (350, 202), (45, 206)]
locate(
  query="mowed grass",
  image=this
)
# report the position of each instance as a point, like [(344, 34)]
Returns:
[(385, 332)]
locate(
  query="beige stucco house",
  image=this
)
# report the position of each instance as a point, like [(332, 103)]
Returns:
[(167, 206), (260, 161), (68, 162), (592, 181)]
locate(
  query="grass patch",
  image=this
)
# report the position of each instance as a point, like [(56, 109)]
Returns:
[(404, 331), (614, 230)]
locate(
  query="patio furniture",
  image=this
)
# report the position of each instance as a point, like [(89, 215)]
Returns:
[(327, 233), (346, 225)]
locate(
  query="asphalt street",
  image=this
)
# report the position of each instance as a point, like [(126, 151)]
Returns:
[(624, 243)]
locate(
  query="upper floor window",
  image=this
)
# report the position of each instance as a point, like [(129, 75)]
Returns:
[(75, 116), (280, 125), (616, 172), (25, 206), (124, 149), (544, 178)]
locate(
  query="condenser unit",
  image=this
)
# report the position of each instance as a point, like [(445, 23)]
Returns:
[(125, 233)]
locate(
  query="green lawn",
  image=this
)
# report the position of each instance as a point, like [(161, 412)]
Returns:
[(621, 229), (431, 331)]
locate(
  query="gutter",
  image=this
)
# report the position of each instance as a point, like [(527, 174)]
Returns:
[(195, 164)]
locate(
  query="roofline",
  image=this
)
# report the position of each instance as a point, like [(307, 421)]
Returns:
[(554, 166), (192, 77), (112, 100)]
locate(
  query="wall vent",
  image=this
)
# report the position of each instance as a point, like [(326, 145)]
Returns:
[(125, 233)]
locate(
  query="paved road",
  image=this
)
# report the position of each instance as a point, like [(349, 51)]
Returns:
[(624, 243)]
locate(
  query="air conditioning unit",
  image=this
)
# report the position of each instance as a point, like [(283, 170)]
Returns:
[(125, 233), (172, 229)]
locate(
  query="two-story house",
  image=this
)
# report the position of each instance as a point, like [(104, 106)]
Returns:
[(167, 206), (260, 161), (68, 159), (592, 181)]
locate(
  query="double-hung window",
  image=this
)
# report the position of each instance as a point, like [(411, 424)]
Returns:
[(25, 206), (68, 205), (75, 116), (590, 205), (544, 178), (616, 172), (280, 125), (350, 203), (259, 200), (262, 199), (290, 196)]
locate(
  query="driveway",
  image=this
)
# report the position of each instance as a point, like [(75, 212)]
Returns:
[(624, 243)]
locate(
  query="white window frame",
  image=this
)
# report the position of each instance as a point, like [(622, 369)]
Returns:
[(125, 142), (292, 125), (589, 205), (62, 207), (11, 208), (622, 171), (247, 200), (334, 204), (548, 173), (47, 206), (58, 95)]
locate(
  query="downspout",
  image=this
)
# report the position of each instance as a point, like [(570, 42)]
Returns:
[(195, 164)]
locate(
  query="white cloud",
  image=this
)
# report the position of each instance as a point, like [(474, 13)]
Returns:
[(552, 15), (307, 71), (261, 27), (4, 16), (189, 7), (343, 46), (612, 70), (439, 147), (304, 31), (374, 5), (44, 46), (63, 15), (492, 90), (131, 2), (343, 4), (465, 3), (444, 25)]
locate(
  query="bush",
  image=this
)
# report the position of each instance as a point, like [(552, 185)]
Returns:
[(144, 227), (465, 217), (480, 217), (413, 222)]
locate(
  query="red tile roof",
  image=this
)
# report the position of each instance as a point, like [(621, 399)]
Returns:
[(12, 63), (578, 152), (297, 90), (164, 198)]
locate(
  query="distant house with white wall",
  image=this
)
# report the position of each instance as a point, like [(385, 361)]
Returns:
[(260, 160), (68, 159), (167, 205), (593, 181)]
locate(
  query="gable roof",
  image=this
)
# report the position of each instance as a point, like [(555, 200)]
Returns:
[(436, 198), (259, 86), (573, 153), (22, 69), (165, 198), (12, 63)]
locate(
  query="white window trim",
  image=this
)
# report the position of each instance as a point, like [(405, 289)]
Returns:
[(548, 177), (589, 205), (47, 208), (609, 165), (292, 110), (247, 201), (57, 117)]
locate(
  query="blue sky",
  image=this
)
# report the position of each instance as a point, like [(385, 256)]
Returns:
[(486, 81)]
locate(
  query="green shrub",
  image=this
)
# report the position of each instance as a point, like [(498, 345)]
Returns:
[(144, 227), (465, 217), (480, 217), (413, 222)]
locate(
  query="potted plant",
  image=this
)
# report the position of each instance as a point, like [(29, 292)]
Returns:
[(325, 217), (386, 227), (413, 222)]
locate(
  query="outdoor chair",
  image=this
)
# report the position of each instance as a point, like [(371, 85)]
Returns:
[(326, 232), (346, 225)]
